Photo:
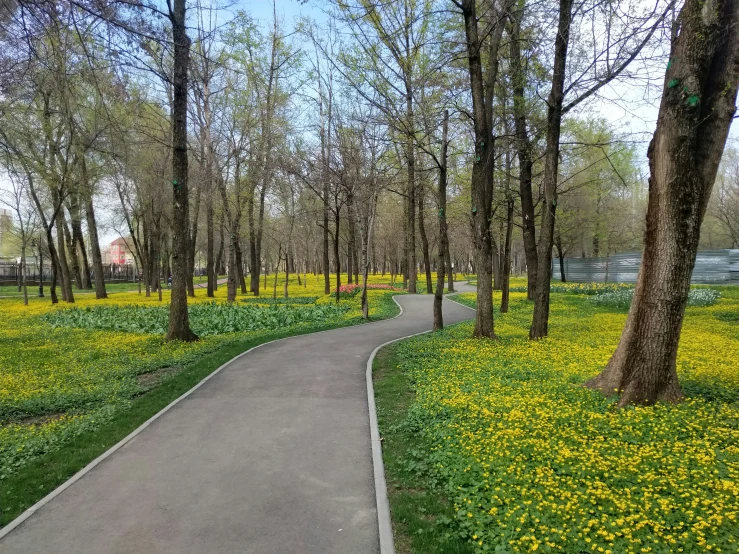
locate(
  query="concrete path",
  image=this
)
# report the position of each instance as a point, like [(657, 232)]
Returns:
[(270, 456)]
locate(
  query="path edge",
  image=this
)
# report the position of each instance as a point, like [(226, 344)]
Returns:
[(384, 520), (28, 512)]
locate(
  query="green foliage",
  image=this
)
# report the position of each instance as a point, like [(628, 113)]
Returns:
[(528, 460), (621, 299), (205, 319), (277, 301)]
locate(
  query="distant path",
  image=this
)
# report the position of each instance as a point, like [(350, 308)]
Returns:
[(270, 456)]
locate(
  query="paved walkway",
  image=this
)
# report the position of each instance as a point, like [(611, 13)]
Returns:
[(271, 456)]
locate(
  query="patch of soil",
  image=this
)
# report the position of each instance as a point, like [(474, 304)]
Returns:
[(40, 419), (153, 378)]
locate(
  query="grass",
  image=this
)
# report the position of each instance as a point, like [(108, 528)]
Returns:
[(505, 452), (421, 518), (69, 394)]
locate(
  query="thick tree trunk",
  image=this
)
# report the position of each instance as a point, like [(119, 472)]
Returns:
[(179, 324), (482, 179), (540, 323), (443, 235), (698, 104), (525, 162)]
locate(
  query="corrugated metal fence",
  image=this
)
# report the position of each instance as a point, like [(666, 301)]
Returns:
[(718, 267)]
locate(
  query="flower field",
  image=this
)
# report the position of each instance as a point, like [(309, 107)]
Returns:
[(70, 369), (523, 459)]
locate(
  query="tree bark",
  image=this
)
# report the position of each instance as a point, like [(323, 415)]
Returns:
[(525, 162), (411, 265), (443, 235), (73, 255), (97, 258), (179, 324), (540, 323), (78, 241), (506, 261), (561, 256), (65, 277), (697, 107), (424, 240), (482, 179), (337, 259)]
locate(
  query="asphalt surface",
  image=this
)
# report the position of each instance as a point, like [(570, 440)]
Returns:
[(271, 455)]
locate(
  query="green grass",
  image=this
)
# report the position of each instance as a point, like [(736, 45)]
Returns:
[(44, 473), (421, 516), (494, 446)]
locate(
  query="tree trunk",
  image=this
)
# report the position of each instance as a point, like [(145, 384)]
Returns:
[(219, 253), (179, 324), (240, 267), (78, 241), (326, 261), (424, 241), (410, 261), (65, 277), (698, 104), (525, 162), (73, 255), (482, 179), (561, 256), (506, 258), (23, 270), (337, 259), (97, 257), (351, 242), (540, 323), (210, 242), (443, 236)]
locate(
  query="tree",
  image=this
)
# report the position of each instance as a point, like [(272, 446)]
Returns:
[(179, 324), (697, 107), (484, 160), (443, 237)]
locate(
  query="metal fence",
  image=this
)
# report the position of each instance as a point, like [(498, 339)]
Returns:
[(717, 267), (112, 273)]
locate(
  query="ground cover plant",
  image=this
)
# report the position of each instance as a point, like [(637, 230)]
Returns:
[(622, 298), (76, 379), (518, 457), (207, 319)]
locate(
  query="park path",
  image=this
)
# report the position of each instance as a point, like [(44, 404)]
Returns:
[(270, 456)]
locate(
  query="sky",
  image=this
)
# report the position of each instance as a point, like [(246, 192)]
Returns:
[(622, 105)]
